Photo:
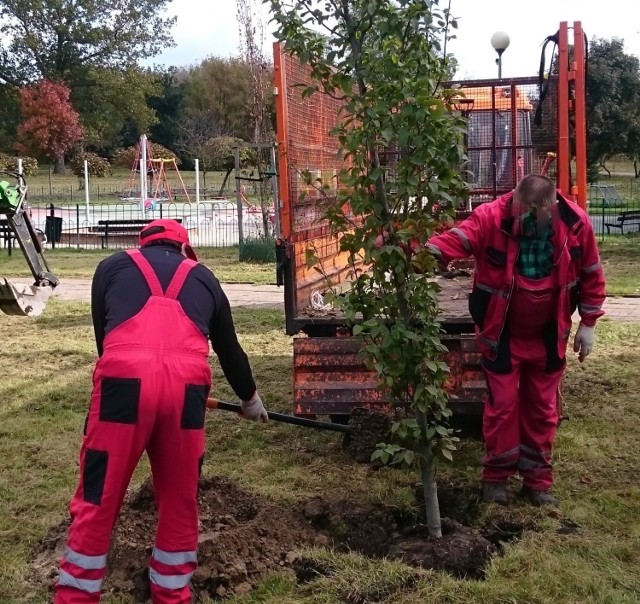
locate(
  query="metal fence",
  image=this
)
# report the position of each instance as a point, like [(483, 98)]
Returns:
[(614, 206), (116, 225)]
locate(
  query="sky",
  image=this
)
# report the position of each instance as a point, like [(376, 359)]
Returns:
[(209, 28)]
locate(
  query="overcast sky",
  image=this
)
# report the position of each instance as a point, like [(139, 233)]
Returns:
[(209, 27)]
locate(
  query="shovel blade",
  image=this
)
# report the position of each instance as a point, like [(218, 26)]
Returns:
[(23, 300)]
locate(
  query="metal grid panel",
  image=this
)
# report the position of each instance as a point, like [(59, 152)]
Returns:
[(503, 142), (310, 147)]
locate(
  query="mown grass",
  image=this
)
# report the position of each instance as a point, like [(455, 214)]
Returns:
[(81, 264), (620, 256), (46, 366)]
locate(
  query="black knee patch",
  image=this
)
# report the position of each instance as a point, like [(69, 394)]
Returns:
[(502, 363), (119, 400), (94, 474), (550, 339), (195, 406)]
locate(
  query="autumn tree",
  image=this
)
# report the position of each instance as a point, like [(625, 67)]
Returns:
[(94, 48), (50, 125), (221, 153), (387, 61)]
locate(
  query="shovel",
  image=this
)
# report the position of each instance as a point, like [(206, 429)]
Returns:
[(214, 403)]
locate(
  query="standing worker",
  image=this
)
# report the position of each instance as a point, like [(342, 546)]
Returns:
[(536, 262), (154, 310)]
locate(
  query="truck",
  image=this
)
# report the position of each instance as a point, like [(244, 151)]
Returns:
[(515, 126), (23, 300)]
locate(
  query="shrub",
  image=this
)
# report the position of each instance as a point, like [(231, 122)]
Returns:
[(96, 165), (10, 163), (125, 157)]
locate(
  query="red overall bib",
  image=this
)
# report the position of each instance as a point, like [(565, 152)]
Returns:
[(521, 417), (149, 393)]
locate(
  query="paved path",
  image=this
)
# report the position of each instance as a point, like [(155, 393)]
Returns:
[(239, 294), (271, 296)]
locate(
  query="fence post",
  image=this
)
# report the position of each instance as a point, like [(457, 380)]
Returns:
[(78, 226)]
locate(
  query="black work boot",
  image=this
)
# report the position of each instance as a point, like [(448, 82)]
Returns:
[(539, 498), (495, 492)]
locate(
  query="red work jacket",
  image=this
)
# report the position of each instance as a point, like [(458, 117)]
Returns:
[(488, 235)]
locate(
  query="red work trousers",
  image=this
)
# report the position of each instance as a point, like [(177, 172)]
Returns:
[(521, 416), (149, 393)]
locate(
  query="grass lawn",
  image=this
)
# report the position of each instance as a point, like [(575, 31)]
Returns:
[(81, 264), (46, 366), (621, 262)]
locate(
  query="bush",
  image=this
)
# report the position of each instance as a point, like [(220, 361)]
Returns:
[(10, 163), (258, 249), (96, 165), (125, 157)]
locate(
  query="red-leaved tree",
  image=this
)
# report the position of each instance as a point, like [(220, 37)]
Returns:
[(50, 125)]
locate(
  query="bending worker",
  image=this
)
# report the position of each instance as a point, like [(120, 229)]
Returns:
[(536, 262), (154, 310)]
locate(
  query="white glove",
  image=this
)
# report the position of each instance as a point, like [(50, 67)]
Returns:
[(254, 409), (584, 341)]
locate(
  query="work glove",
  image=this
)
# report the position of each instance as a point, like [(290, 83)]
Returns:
[(253, 409), (584, 341)]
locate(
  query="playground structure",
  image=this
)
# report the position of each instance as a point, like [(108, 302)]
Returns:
[(145, 166)]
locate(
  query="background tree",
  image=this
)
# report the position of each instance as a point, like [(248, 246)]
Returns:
[(60, 39), (50, 125), (220, 90), (195, 136), (387, 61), (613, 103), (167, 102)]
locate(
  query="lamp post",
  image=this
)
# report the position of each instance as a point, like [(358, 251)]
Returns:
[(500, 42)]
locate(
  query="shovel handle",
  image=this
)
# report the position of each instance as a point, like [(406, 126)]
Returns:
[(214, 403)]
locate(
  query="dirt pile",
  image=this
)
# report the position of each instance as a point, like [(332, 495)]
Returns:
[(243, 536)]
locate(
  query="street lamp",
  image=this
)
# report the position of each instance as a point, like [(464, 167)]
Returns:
[(500, 42)]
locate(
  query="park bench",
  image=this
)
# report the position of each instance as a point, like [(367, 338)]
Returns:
[(7, 234), (624, 218), (113, 229)]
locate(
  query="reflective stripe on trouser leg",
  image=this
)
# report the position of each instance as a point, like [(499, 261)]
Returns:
[(91, 586)]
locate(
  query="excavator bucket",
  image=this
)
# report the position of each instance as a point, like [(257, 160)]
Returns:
[(23, 300)]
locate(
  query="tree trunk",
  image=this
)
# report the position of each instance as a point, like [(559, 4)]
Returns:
[(224, 182), (635, 168), (429, 486), (604, 167), (50, 184), (59, 167)]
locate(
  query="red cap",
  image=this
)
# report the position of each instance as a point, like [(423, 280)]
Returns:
[(170, 230)]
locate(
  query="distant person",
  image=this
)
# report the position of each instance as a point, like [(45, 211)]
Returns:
[(154, 311)]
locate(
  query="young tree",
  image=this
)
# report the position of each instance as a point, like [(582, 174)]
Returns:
[(387, 60), (195, 133), (252, 44), (50, 125)]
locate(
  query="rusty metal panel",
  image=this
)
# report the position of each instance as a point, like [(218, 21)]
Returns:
[(330, 376)]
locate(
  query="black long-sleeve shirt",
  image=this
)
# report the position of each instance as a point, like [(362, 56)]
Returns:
[(119, 291)]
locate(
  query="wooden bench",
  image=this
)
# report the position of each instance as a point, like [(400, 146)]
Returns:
[(624, 218), (121, 228)]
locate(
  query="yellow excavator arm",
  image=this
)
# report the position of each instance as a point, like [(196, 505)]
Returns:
[(24, 300)]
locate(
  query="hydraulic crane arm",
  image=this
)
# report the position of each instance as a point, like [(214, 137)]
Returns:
[(24, 300)]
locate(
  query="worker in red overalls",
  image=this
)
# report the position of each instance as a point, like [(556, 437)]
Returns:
[(536, 263), (154, 311)]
